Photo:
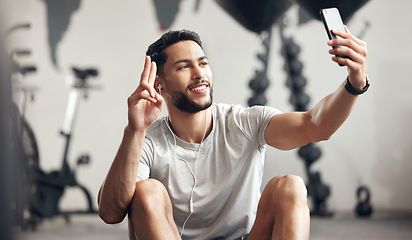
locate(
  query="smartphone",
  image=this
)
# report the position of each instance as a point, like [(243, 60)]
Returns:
[(332, 20)]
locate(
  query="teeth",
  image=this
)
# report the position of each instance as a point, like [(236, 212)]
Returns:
[(199, 88)]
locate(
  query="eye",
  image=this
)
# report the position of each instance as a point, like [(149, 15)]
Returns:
[(204, 63), (182, 67)]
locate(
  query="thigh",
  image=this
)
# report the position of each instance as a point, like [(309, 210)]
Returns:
[(150, 212), (264, 222), (280, 198)]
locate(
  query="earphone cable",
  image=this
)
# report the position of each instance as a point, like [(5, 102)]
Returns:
[(193, 173)]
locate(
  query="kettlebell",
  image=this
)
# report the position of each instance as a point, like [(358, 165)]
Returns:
[(363, 207)]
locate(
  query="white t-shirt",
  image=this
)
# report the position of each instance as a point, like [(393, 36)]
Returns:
[(228, 171)]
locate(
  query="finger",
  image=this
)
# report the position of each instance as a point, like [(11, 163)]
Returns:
[(159, 99), (145, 95), (153, 70), (145, 86), (136, 98), (348, 35), (357, 40), (350, 43), (355, 66), (146, 70), (140, 88), (343, 51), (341, 34), (341, 60), (346, 29)]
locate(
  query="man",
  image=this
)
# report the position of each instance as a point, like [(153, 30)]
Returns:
[(199, 169)]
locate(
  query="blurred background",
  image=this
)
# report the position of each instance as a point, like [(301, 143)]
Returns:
[(109, 38)]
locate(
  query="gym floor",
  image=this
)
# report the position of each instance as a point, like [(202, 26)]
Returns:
[(343, 226)]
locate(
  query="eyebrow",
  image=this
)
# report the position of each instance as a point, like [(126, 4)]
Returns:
[(186, 60)]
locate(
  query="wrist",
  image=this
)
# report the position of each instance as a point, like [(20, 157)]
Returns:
[(130, 130), (356, 91)]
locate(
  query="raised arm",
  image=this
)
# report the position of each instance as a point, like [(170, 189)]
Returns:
[(144, 106), (295, 129)]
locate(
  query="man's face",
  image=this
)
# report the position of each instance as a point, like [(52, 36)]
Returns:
[(187, 77)]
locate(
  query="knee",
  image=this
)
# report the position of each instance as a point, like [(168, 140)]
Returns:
[(289, 189), (148, 197)]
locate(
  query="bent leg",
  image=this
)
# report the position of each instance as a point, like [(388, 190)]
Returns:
[(150, 213), (282, 212)]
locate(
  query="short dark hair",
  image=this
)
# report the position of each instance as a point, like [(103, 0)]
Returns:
[(156, 50)]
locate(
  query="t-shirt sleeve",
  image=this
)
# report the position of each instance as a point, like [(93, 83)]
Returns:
[(143, 171), (253, 122)]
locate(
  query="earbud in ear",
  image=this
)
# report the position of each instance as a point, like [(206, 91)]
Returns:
[(159, 88)]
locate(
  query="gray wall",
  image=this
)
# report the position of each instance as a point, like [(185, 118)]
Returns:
[(373, 147)]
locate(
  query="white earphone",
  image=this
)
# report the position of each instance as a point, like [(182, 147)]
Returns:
[(191, 201), (159, 88)]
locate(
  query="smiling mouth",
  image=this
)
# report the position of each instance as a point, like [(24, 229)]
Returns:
[(200, 86)]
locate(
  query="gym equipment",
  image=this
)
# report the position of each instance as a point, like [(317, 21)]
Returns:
[(6, 155), (50, 186), (22, 146), (260, 82), (363, 207), (37, 193), (346, 7), (256, 16)]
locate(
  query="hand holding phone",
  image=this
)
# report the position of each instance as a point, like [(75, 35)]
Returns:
[(332, 20)]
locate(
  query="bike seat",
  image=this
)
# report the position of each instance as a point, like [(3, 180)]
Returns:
[(25, 69), (85, 73)]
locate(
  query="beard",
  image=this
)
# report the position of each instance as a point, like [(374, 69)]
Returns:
[(182, 102)]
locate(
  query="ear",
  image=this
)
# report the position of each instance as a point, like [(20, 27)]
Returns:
[(158, 85)]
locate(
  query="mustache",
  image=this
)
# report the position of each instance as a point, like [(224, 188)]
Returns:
[(198, 82)]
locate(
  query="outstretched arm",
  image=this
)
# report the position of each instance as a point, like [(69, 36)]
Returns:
[(295, 129), (144, 106)]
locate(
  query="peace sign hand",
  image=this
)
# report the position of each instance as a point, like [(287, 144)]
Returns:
[(145, 104)]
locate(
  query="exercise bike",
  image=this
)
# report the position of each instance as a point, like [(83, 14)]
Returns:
[(45, 199), (37, 193)]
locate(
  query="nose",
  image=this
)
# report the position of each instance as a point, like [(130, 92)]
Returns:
[(198, 73)]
